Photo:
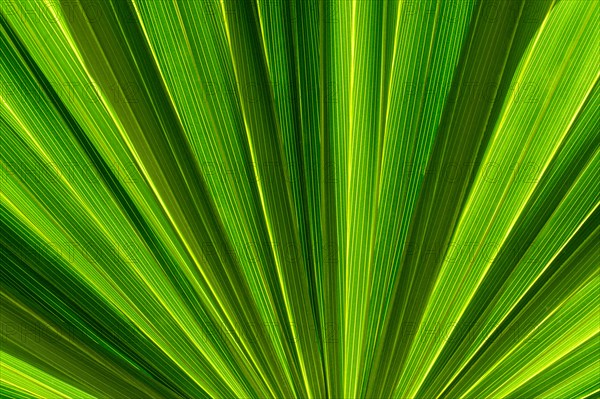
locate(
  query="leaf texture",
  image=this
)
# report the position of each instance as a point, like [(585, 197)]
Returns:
[(300, 199)]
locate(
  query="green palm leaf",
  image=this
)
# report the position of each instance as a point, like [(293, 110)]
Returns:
[(300, 199)]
